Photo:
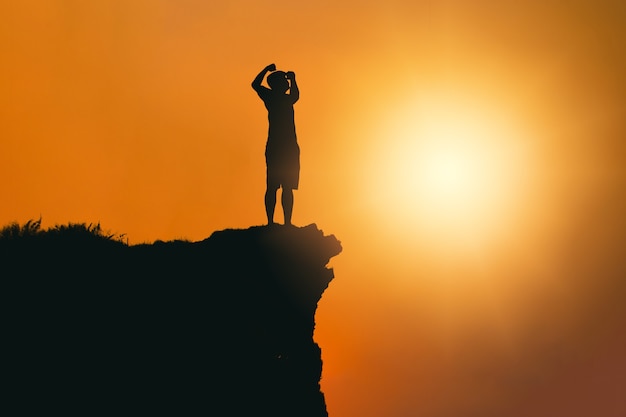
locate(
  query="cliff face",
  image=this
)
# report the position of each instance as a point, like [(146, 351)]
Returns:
[(222, 326)]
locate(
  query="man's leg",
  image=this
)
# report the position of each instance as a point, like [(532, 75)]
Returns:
[(287, 201), (270, 204)]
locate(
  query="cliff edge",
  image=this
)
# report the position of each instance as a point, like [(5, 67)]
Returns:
[(222, 326)]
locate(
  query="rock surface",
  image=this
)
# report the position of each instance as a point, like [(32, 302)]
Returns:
[(222, 326)]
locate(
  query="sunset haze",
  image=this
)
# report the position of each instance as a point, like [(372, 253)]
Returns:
[(469, 155)]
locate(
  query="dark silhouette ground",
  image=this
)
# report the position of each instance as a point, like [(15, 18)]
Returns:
[(223, 326)]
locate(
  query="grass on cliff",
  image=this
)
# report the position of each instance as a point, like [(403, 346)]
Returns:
[(32, 230)]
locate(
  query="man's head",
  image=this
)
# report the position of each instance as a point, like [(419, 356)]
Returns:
[(278, 81)]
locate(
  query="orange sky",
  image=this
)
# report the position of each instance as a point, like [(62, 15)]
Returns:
[(468, 154)]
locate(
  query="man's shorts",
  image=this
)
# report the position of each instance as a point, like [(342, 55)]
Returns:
[(283, 168)]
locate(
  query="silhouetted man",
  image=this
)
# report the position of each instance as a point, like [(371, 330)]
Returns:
[(282, 153)]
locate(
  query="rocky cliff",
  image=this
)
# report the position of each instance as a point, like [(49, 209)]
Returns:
[(222, 326)]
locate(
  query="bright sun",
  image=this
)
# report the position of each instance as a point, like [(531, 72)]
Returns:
[(453, 170)]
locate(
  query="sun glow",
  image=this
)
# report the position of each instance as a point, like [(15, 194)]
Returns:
[(452, 171)]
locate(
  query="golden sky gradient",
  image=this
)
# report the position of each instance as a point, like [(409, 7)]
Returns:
[(469, 155)]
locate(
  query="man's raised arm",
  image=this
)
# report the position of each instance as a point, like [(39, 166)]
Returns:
[(294, 91), (256, 83)]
